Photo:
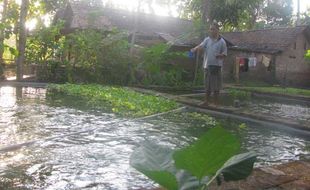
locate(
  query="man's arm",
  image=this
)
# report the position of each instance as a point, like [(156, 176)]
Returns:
[(223, 53), (200, 46)]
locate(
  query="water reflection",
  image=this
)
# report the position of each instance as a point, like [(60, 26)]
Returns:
[(7, 97), (99, 158)]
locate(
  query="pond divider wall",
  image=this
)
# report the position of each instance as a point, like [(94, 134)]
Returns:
[(280, 123)]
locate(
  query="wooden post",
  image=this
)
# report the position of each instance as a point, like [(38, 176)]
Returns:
[(236, 71), (196, 67)]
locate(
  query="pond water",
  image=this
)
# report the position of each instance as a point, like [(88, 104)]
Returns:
[(98, 158), (269, 106)]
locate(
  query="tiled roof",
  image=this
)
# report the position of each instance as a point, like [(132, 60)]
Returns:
[(79, 15), (266, 40)]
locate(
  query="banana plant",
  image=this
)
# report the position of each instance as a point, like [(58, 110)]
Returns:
[(212, 157)]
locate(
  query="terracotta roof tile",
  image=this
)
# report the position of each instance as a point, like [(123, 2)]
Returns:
[(265, 40)]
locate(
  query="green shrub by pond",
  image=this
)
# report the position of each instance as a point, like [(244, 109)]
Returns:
[(120, 100)]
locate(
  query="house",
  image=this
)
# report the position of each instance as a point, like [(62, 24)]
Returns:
[(278, 55), (149, 29)]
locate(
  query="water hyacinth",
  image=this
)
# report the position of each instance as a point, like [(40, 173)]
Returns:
[(119, 100)]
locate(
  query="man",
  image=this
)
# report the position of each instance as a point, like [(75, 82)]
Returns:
[(215, 50)]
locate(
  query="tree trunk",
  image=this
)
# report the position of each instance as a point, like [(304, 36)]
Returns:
[(205, 18), (3, 21), (206, 12), (22, 39), (134, 32)]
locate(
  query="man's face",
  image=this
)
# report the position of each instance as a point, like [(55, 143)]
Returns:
[(214, 31)]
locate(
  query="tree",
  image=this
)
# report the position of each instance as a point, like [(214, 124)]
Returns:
[(230, 13), (22, 39), (2, 29), (278, 12), (305, 18)]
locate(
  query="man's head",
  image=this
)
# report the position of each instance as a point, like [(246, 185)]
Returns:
[(214, 30)]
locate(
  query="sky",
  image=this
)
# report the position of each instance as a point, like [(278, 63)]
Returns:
[(132, 4), (304, 4)]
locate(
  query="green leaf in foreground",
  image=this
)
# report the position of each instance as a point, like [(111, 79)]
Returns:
[(155, 162), (238, 167), (158, 163), (208, 154)]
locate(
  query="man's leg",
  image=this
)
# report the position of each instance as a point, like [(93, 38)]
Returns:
[(207, 96), (216, 97), (217, 85), (207, 89)]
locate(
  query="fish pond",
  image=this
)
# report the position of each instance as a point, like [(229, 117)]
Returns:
[(74, 146)]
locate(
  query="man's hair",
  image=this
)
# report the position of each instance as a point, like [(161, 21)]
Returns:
[(216, 25)]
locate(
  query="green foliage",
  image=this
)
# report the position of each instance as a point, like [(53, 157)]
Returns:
[(231, 13), (162, 66), (240, 14), (96, 56), (239, 94), (102, 55), (192, 167), (44, 44), (307, 55), (206, 120), (201, 159), (13, 51), (52, 5), (242, 126), (119, 100), (305, 17), (148, 160), (236, 168), (278, 12)]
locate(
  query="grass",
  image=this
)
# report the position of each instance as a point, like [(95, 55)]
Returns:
[(119, 100)]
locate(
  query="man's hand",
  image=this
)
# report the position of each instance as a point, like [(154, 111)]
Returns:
[(220, 56)]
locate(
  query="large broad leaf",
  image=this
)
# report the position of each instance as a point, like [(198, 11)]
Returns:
[(208, 154), (238, 167), (155, 162), (203, 159), (187, 181)]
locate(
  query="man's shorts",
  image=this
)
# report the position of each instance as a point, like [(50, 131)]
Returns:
[(213, 78)]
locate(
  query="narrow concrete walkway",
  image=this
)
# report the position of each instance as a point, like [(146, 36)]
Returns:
[(233, 112), (23, 84)]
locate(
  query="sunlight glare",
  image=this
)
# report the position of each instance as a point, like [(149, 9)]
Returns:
[(31, 24), (304, 5), (7, 97), (133, 6)]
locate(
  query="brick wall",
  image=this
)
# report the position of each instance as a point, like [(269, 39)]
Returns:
[(291, 67)]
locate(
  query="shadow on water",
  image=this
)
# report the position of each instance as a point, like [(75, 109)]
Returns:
[(99, 159)]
